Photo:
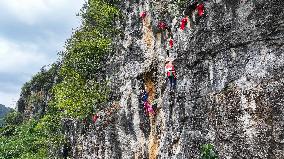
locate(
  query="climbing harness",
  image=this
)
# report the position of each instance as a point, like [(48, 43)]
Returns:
[(146, 104), (171, 74)]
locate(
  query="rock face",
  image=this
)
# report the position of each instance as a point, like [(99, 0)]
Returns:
[(36, 93), (229, 87)]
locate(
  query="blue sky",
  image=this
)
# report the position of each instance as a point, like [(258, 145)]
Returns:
[(31, 34)]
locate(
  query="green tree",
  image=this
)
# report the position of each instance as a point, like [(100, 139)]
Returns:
[(13, 118), (81, 92), (207, 152)]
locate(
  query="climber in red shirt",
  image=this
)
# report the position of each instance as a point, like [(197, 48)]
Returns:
[(200, 9), (143, 15), (171, 43), (95, 118), (162, 25), (183, 23), (200, 12), (170, 73)]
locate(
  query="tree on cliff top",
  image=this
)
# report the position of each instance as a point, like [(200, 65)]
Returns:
[(80, 91)]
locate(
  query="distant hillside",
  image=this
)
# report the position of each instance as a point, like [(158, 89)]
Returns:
[(3, 111)]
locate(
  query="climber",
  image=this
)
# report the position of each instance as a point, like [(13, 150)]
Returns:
[(162, 25), (200, 12), (200, 9), (143, 15), (170, 73), (147, 106), (95, 118), (183, 23), (171, 42), (188, 15)]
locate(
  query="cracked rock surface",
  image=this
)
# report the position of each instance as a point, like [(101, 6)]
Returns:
[(229, 87)]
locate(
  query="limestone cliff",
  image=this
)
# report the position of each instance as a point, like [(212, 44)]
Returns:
[(229, 65)]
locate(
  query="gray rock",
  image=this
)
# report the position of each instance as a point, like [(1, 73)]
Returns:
[(229, 88)]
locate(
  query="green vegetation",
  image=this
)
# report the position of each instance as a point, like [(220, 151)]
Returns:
[(22, 141), (31, 138), (13, 118), (207, 152), (182, 3), (79, 91), (41, 81), (3, 111)]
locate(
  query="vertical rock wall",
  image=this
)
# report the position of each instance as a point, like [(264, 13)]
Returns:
[(229, 88)]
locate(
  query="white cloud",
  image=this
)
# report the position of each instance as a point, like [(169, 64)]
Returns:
[(19, 57), (32, 31), (9, 99), (36, 11)]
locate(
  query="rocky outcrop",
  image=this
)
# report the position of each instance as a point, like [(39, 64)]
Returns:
[(36, 93), (229, 88)]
